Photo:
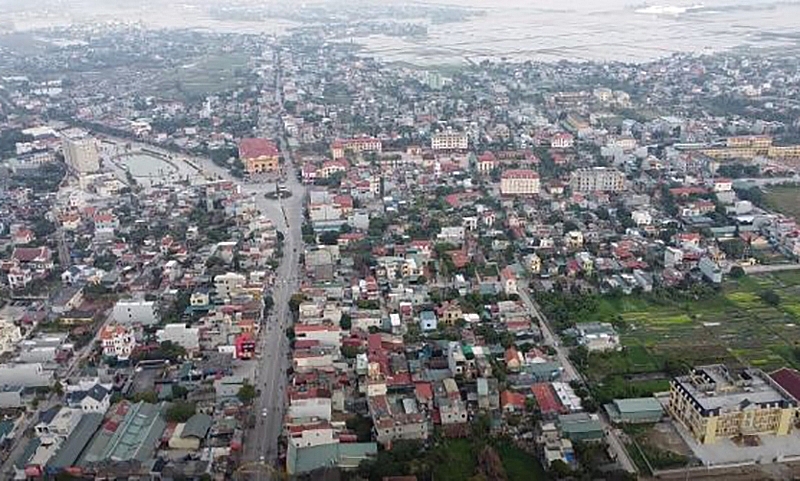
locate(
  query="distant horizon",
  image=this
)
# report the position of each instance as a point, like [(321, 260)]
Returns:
[(542, 30)]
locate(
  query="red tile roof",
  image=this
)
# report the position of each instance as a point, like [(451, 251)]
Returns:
[(30, 254), (520, 174), (254, 148), (789, 379), (546, 398), (510, 398), (423, 390)]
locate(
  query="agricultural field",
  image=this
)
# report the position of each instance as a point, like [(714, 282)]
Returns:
[(753, 321), (207, 75), (784, 199)]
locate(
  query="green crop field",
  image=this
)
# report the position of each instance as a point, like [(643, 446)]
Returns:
[(208, 75), (734, 326), (784, 199)]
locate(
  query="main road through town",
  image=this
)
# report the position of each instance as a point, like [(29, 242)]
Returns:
[(273, 349)]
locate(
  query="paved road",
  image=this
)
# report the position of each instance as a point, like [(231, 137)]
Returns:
[(571, 374), (764, 268)]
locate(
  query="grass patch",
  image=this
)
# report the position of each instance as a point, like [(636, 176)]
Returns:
[(784, 199), (519, 465), (460, 463), (210, 74)]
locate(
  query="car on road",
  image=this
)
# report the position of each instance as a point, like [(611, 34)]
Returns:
[(264, 413)]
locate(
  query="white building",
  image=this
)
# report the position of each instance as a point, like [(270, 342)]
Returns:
[(315, 407), (81, 155), (453, 234), (672, 257), (315, 435), (710, 270), (25, 375), (641, 217), (117, 341), (186, 337), (519, 182), (562, 140), (325, 334), (450, 140), (130, 311), (57, 424), (228, 284), (10, 335), (598, 336), (97, 399), (602, 179)]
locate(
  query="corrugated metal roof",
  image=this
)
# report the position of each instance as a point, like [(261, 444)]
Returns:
[(636, 405), (77, 441), (197, 426)]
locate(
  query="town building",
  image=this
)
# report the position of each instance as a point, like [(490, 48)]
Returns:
[(117, 341), (636, 410), (450, 140), (259, 156), (177, 333), (135, 311), (597, 179), (357, 145), (713, 403), (81, 155), (519, 182), (25, 375), (598, 336)]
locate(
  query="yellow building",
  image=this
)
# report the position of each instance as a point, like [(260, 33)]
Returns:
[(755, 141), (788, 151), (259, 156), (356, 145), (727, 153), (714, 403)]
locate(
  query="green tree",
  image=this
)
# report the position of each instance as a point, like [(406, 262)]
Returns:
[(362, 426), (146, 396), (737, 272), (329, 238), (770, 297), (346, 322), (180, 411), (246, 393)]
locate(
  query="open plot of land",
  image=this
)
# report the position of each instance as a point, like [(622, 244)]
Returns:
[(657, 446), (784, 199), (210, 74), (734, 326)]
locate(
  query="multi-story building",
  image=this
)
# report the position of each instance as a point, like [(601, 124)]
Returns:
[(601, 179), (117, 341), (714, 403), (10, 335), (186, 337), (135, 311), (754, 141), (562, 140), (259, 155), (356, 145), (227, 284), (81, 155), (450, 140), (519, 182), (598, 336)]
